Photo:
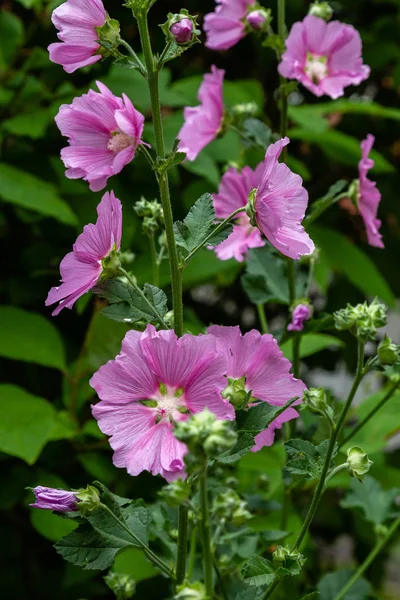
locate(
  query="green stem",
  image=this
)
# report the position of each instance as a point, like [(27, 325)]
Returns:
[(332, 443), (370, 414), (263, 318), (205, 534), (149, 553), (181, 555), (152, 77), (370, 558), (335, 471), (131, 51), (143, 297), (321, 208), (163, 54), (142, 148), (192, 552), (296, 340), (271, 588), (219, 227), (154, 259)]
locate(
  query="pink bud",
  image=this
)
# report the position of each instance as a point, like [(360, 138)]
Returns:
[(182, 30), (256, 19)]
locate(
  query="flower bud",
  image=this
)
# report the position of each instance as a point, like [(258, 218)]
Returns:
[(191, 591), (175, 493), (321, 10), (205, 435), (358, 463), (362, 320), (122, 585), (53, 499), (283, 556), (259, 18), (89, 500), (300, 313), (111, 265), (315, 400), (378, 313), (181, 28), (388, 353), (230, 507), (244, 109)]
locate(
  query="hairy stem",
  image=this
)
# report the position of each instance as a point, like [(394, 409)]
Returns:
[(205, 534), (370, 558)]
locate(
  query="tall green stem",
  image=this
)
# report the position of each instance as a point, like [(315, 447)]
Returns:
[(154, 259), (152, 78), (262, 317), (370, 558), (175, 269), (205, 534)]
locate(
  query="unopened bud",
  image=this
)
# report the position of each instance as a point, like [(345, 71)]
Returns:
[(230, 507), (388, 352), (258, 19), (175, 493), (122, 585), (181, 28), (315, 400), (321, 10), (358, 463), (300, 313), (89, 500), (283, 556)]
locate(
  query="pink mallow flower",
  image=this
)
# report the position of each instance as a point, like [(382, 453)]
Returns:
[(76, 21), (280, 204), (103, 131), (81, 269), (53, 499), (259, 360), (369, 196), (233, 193), (300, 314), (226, 26), (203, 123), (324, 57), (156, 380)]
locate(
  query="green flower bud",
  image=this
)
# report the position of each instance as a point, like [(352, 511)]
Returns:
[(109, 37), (388, 353), (315, 400), (175, 493), (378, 313), (111, 265), (181, 28), (321, 10), (362, 320), (89, 500), (191, 591), (284, 557), (358, 463), (281, 553), (230, 507), (122, 585), (245, 109)]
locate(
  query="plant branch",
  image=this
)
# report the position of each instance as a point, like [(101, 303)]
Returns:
[(137, 60)]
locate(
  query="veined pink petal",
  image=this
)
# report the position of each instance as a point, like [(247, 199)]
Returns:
[(224, 27), (369, 195), (266, 437), (237, 245)]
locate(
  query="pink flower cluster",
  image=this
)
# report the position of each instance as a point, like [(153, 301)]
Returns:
[(159, 379)]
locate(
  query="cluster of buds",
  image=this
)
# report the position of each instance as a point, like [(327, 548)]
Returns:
[(362, 320), (123, 586), (191, 591), (358, 463), (152, 214), (315, 400), (205, 436), (388, 352), (175, 493), (181, 28), (231, 508), (284, 557), (321, 10)]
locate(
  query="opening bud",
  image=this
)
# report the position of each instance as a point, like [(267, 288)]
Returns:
[(315, 400), (321, 10), (181, 28), (258, 19), (358, 463)]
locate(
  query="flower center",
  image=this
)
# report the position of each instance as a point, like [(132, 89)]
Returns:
[(316, 67), (169, 403), (119, 141)]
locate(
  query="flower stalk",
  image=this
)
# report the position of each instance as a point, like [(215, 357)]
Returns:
[(205, 533)]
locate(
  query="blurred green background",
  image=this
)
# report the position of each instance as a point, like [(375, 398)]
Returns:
[(47, 435)]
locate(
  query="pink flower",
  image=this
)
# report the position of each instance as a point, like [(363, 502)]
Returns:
[(81, 269), (103, 132), (182, 31), (76, 21), (202, 123), (369, 195), (233, 193), (226, 26), (53, 499), (156, 380), (258, 358), (324, 57), (300, 314), (280, 205)]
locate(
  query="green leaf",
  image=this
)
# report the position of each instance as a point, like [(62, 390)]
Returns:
[(341, 148), (243, 446), (30, 337), (265, 278), (375, 503), (26, 424), (311, 343), (258, 132), (26, 190), (95, 543), (11, 38), (163, 165), (198, 224), (305, 459), (133, 562), (332, 583), (50, 525), (104, 339), (258, 571), (312, 596), (251, 593), (128, 306), (31, 125), (347, 258), (259, 417), (204, 166)]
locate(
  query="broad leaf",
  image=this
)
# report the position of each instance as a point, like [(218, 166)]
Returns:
[(128, 306), (311, 343), (30, 337), (27, 423), (31, 125), (257, 132), (332, 583), (375, 503), (305, 459), (265, 278), (11, 37), (258, 571), (198, 224), (26, 190)]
